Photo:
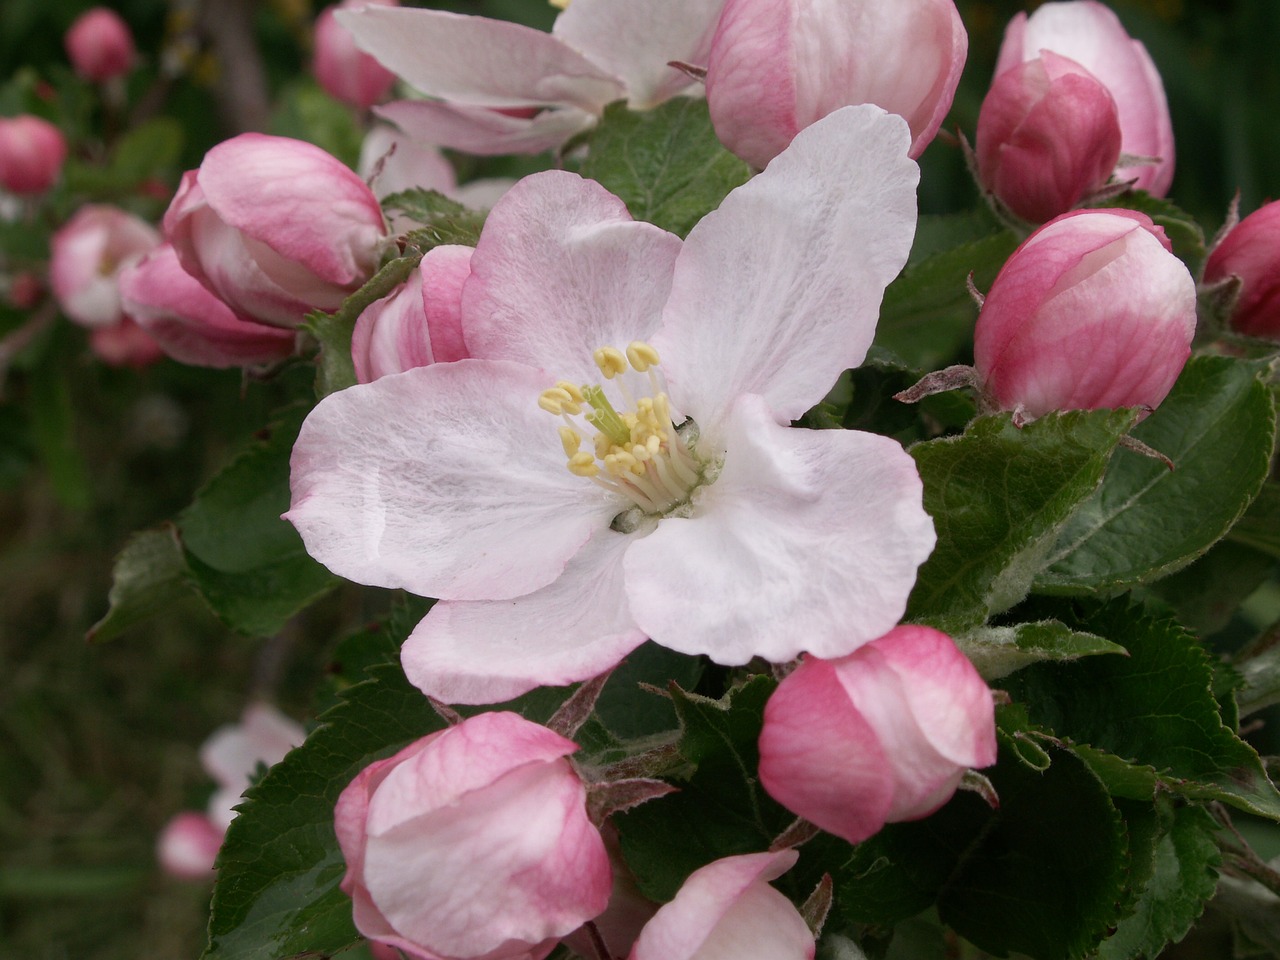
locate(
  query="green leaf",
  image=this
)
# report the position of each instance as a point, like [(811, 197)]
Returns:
[(720, 810), (665, 164), (305, 112), (148, 150), (1154, 708), (1181, 228), (1209, 592), (998, 496), (1182, 879), (1218, 426), (1260, 526), (247, 562), (927, 316), (998, 651), (443, 220), (149, 575)]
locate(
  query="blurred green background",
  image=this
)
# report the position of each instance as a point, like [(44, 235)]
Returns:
[(98, 743)]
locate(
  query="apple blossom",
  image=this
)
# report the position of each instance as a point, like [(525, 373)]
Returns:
[(882, 735), (776, 66), (1048, 137), (419, 323), (473, 842), (100, 45), (499, 87), (188, 846), (1091, 34), (275, 228), (124, 344), (561, 522), (1092, 310), (189, 323), (727, 911), (1250, 252), (88, 253), (341, 68), (31, 154)]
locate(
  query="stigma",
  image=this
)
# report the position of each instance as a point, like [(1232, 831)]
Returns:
[(632, 449)]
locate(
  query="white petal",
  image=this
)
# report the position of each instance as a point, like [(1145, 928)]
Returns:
[(483, 131), (445, 480), (778, 291), (489, 651), (809, 540)]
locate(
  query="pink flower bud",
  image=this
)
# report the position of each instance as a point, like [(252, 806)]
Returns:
[(777, 66), (31, 154), (1093, 310), (727, 909), (473, 842), (1048, 136), (418, 324), (189, 323), (879, 736), (100, 45), (275, 228), (1251, 252), (88, 253), (188, 845), (344, 71), (124, 344), (1090, 34)]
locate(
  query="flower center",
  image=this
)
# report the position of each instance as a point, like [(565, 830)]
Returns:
[(638, 453)]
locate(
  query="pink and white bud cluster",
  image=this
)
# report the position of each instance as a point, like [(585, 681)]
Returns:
[(100, 45), (344, 71), (776, 66), (1093, 310), (1250, 255), (882, 735), (32, 151)]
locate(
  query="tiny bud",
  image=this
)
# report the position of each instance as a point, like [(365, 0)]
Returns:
[(100, 45), (31, 154), (1248, 256)]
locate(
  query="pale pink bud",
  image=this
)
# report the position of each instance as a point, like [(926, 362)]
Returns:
[(777, 66), (345, 71), (100, 45), (418, 324), (88, 253), (124, 344), (275, 228), (473, 842), (1251, 252), (882, 735), (234, 752), (31, 154), (1048, 136), (1092, 35), (1093, 310), (727, 911), (188, 845), (189, 323)]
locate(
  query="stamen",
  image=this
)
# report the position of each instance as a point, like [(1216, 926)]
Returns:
[(583, 464), (571, 440), (559, 400), (642, 356), (610, 361)]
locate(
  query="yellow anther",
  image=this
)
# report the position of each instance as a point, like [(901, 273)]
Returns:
[(571, 439), (610, 361), (642, 356), (583, 464), (653, 444), (573, 390), (557, 400)]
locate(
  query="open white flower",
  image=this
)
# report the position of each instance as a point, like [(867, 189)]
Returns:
[(618, 463)]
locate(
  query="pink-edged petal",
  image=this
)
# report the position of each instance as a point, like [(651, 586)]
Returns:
[(393, 161), (391, 333), (575, 628), (483, 131), (778, 291), (809, 540), (447, 481), (480, 62), (638, 40), (444, 270), (561, 269)]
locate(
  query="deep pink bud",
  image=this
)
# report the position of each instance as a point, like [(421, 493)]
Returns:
[(1251, 252), (473, 842), (31, 154), (100, 45), (1048, 136), (727, 909), (1093, 310), (275, 228), (188, 845), (189, 323), (882, 735), (418, 324), (1090, 34), (88, 253), (777, 66), (345, 71)]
